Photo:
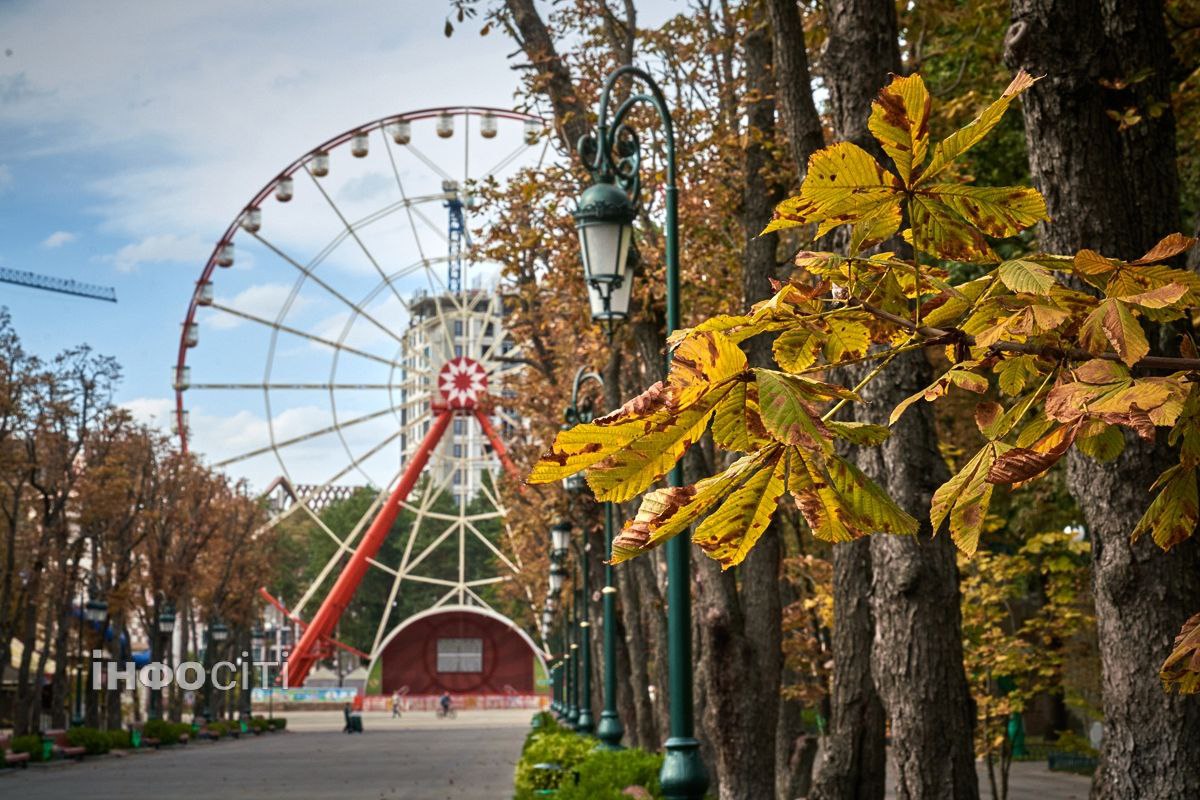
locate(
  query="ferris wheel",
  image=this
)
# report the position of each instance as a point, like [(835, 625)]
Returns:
[(351, 340)]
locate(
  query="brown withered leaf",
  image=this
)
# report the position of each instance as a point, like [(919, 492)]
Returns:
[(1181, 670), (1170, 246)]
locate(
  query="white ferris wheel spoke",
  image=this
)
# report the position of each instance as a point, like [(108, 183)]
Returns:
[(303, 334), (288, 386), (354, 234), (310, 273), (302, 438)]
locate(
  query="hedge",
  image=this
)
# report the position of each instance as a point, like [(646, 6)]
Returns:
[(584, 772)]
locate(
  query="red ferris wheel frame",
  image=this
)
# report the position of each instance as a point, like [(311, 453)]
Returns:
[(291, 169), (458, 400)]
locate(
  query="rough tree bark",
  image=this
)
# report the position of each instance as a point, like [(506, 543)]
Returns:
[(800, 126), (1117, 192), (916, 652), (860, 51), (740, 632)]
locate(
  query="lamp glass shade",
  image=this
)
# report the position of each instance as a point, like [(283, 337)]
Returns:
[(551, 603), (166, 619), (560, 540), (575, 484), (219, 632), (604, 221)]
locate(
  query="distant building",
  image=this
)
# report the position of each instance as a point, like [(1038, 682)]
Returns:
[(442, 328)]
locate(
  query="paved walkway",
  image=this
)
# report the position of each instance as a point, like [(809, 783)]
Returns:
[(418, 757), (1028, 780)]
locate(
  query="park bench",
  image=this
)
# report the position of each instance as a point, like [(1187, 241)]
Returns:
[(63, 745), (11, 758)]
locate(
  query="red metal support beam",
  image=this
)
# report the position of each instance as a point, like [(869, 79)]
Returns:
[(498, 446), (306, 653)]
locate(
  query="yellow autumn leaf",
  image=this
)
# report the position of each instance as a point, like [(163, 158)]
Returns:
[(797, 348), (973, 132), (843, 183), (1026, 276), (702, 361), (733, 529), (629, 470), (666, 512), (848, 338), (900, 122), (965, 499), (1172, 516)]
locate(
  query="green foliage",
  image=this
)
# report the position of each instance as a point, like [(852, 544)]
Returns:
[(307, 548), (564, 748), (278, 724), (165, 731), (1062, 359), (605, 775), (119, 740), (31, 744), (1022, 612), (96, 742)]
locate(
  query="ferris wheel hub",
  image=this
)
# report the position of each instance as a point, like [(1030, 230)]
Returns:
[(462, 382)]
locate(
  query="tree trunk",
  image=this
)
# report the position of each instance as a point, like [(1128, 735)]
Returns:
[(914, 596), (917, 660), (853, 758), (801, 123), (740, 633), (861, 50), (1116, 192)]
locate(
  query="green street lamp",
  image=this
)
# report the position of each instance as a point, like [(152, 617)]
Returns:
[(604, 220), (166, 628), (611, 731)]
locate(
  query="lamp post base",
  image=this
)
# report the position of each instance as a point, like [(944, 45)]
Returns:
[(610, 732), (682, 776), (584, 723), (572, 719)]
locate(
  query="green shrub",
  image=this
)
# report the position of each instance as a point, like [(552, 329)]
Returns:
[(119, 740), (166, 732), (564, 748), (604, 775), (259, 725), (279, 724), (31, 743), (547, 722), (92, 740)]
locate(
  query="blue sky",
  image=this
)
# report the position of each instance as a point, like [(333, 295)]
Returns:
[(134, 132)]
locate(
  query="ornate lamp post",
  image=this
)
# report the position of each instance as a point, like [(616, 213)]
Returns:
[(573, 714), (166, 629), (604, 220), (611, 730), (95, 611), (218, 632)]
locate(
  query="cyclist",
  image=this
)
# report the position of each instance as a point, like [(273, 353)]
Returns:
[(445, 703)]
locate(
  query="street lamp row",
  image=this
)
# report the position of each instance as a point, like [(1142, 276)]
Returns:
[(604, 221)]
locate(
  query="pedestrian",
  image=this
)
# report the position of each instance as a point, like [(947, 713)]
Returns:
[(346, 714), (395, 705)]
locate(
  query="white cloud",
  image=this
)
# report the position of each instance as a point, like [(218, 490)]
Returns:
[(6, 177), (160, 248), (153, 411), (58, 239), (263, 300)]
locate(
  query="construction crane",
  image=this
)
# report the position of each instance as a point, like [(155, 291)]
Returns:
[(62, 285)]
